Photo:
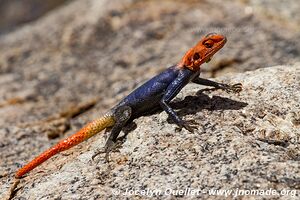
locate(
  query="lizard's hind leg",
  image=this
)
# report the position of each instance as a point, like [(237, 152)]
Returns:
[(121, 115)]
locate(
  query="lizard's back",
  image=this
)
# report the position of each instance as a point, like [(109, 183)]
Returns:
[(148, 95)]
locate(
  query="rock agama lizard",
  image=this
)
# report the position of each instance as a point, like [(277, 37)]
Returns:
[(155, 93)]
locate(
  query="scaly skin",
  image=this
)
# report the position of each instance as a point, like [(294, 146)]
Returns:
[(83, 134), (155, 93)]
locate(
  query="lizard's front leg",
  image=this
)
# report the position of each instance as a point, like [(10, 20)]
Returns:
[(188, 125), (171, 91), (236, 88)]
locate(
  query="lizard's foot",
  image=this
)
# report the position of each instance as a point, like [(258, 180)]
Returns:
[(108, 147), (189, 125), (97, 154), (235, 88)]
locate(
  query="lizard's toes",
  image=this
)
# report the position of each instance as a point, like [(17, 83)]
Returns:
[(190, 125), (235, 88), (97, 153)]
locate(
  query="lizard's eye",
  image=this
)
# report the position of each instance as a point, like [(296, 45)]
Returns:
[(196, 56), (208, 43)]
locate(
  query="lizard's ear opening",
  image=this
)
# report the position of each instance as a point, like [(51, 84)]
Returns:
[(196, 56)]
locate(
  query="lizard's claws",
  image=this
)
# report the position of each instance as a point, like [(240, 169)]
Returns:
[(235, 88), (106, 150), (109, 146), (189, 125), (99, 152)]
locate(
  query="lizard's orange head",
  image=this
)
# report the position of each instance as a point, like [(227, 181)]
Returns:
[(203, 51)]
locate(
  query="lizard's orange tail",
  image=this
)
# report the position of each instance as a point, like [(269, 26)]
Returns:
[(86, 132)]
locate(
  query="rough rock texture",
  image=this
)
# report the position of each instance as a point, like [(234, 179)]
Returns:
[(245, 141), (84, 57)]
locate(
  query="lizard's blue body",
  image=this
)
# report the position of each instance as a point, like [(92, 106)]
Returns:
[(161, 88)]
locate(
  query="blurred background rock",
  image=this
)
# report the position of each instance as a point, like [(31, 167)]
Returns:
[(14, 13)]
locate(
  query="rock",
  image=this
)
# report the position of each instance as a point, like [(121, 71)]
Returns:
[(98, 51), (247, 141), (14, 13), (285, 12)]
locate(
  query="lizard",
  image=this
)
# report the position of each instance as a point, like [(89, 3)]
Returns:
[(154, 93)]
